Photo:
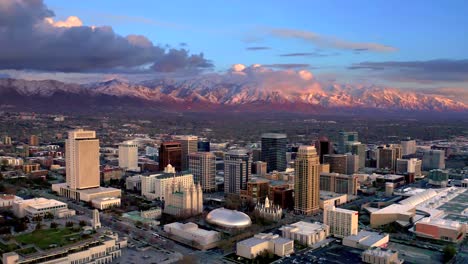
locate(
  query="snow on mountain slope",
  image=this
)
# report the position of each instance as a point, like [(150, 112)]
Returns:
[(222, 91)]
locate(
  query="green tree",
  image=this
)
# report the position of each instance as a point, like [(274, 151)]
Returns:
[(53, 225), (69, 224), (449, 252), (82, 223)]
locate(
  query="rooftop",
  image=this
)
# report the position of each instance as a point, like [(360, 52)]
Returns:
[(305, 227), (367, 238)]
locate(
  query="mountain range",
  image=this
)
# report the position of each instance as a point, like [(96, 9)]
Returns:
[(205, 94)]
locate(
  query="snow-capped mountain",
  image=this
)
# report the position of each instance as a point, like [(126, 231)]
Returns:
[(206, 92)]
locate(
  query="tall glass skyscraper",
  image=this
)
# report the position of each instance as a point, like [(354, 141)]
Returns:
[(274, 151)]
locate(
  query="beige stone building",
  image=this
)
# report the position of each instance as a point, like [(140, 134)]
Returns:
[(254, 246), (380, 256), (183, 201), (307, 181), (203, 167), (154, 186), (306, 233)]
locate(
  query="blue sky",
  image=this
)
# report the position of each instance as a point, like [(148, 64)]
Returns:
[(404, 44)]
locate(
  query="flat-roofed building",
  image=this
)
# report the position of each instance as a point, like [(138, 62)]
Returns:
[(328, 199), (128, 156), (366, 239), (339, 183), (104, 203), (342, 222), (98, 249), (40, 207), (433, 159), (192, 235), (133, 183), (7, 200), (188, 144), (203, 167), (440, 229), (306, 233), (380, 256), (252, 247)]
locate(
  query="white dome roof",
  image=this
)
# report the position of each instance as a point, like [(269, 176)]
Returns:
[(228, 218)]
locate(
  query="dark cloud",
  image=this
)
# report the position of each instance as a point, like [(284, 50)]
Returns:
[(28, 41), (287, 65), (442, 70), (183, 44), (308, 54), (257, 48)]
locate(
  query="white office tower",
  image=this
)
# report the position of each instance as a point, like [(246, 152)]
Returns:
[(128, 156), (408, 146), (342, 222), (189, 144), (82, 159)]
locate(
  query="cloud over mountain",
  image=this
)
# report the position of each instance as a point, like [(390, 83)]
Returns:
[(31, 39)]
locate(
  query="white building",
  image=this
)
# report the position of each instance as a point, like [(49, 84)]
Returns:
[(408, 147), (306, 233), (128, 156), (183, 201), (366, 239), (82, 168), (268, 210), (252, 247), (380, 256), (154, 186), (133, 183), (191, 232), (40, 207), (154, 213), (104, 203), (342, 222), (409, 166), (7, 200)]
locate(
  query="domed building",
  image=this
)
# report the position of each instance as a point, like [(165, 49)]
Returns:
[(229, 219)]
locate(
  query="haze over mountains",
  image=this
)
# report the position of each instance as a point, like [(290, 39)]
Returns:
[(216, 93)]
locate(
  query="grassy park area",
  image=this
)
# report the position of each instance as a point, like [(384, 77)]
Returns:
[(44, 238)]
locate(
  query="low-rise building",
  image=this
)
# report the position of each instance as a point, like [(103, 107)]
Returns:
[(99, 249), (380, 256), (155, 185), (328, 199), (192, 235), (393, 213), (366, 239), (40, 207), (103, 203), (86, 195), (440, 229), (7, 200), (306, 233), (252, 247)]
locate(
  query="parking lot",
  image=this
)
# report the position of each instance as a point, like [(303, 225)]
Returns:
[(133, 256), (334, 253)]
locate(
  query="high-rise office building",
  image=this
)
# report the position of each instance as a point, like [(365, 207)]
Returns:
[(357, 148), (203, 145), (33, 140), (338, 162), (307, 181), (237, 169), (408, 147), (6, 140), (274, 151), (433, 159), (342, 222), (260, 168), (344, 138), (170, 153), (388, 155), (203, 167), (128, 156), (82, 159), (324, 147), (189, 144), (405, 166)]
